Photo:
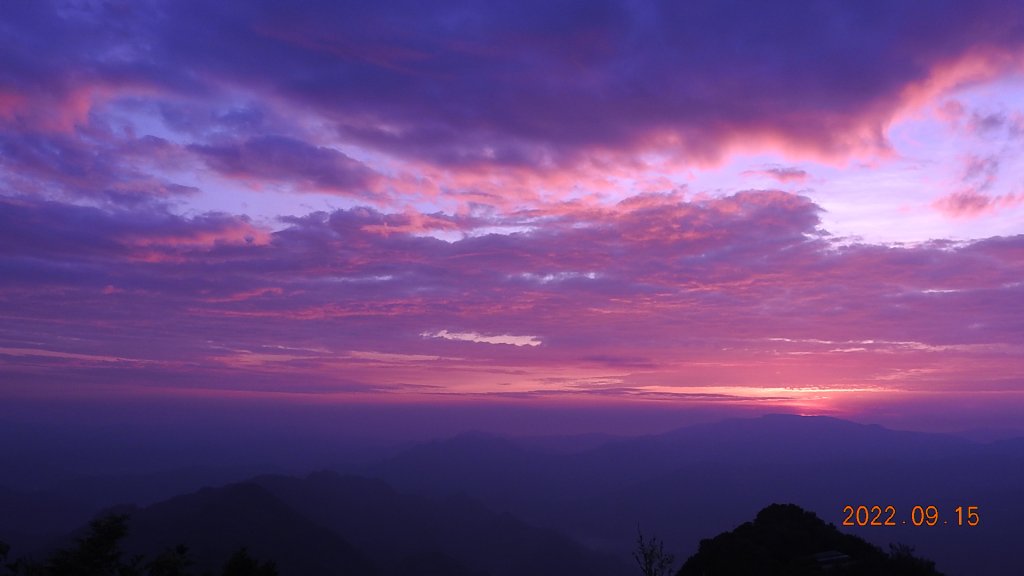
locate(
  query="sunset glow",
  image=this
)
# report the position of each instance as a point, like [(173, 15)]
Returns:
[(804, 207)]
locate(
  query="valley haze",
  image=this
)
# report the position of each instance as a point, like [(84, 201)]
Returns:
[(592, 490)]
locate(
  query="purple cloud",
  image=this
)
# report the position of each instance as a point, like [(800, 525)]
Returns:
[(280, 159), (535, 84), (981, 171), (972, 202), (500, 136), (688, 290), (782, 174)]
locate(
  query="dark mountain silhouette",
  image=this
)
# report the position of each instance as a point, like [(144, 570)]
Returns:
[(329, 524), (215, 522), (30, 517), (396, 529), (785, 540)]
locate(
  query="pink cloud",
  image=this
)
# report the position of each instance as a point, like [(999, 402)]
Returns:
[(10, 102), (414, 222), (739, 298), (500, 142), (971, 203)]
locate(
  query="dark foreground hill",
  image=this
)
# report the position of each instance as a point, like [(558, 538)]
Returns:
[(785, 540), (215, 522), (397, 530), (332, 525)]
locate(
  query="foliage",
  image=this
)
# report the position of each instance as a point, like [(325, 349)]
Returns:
[(99, 554), (902, 557), (650, 555), (172, 562), (241, 564)]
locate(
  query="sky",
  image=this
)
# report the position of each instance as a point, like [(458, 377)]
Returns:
[(803, 206)]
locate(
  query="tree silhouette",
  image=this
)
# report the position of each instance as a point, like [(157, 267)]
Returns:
[(97, 554), (241, 564), (650, 555), (172, 562)]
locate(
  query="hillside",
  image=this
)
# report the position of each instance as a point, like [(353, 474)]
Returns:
[(785, 540)]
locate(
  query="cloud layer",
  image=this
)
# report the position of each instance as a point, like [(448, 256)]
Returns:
[(742, 297), (534, 84), (452, 199)]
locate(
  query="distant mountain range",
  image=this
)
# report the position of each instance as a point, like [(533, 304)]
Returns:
[(708, 478), (482, 504)]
